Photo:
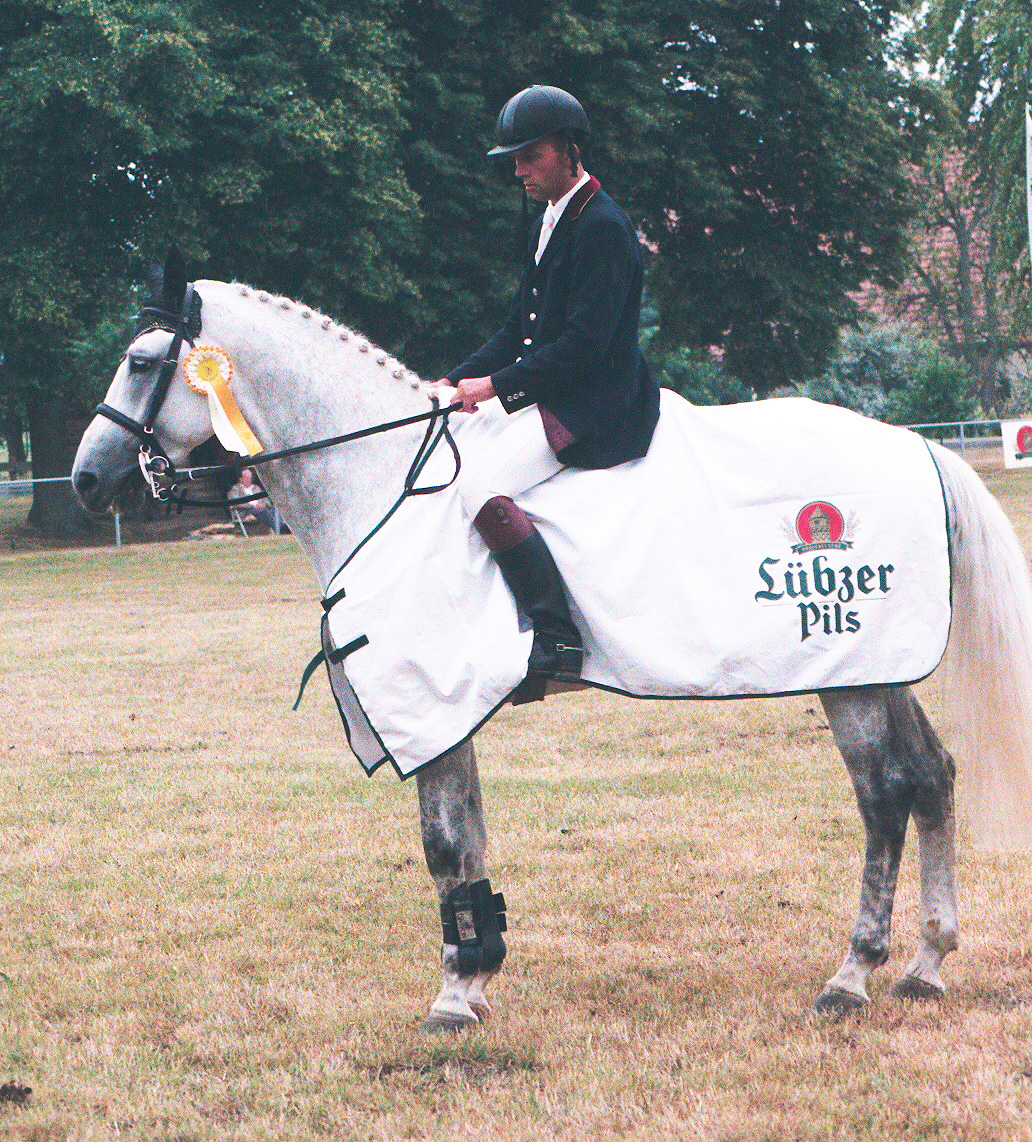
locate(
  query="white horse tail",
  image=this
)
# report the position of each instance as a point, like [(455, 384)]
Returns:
[(989, 660)]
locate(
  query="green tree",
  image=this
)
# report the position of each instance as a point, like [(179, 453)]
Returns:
[(869, 365), (261, 138), (937, 393), (980, 51), (759, 143), (783, 187), (886, 372)]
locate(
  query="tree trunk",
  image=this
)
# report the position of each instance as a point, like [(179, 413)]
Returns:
[(14, 433), (54, 434)]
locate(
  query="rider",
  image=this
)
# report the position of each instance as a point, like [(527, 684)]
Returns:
[(566, 368)]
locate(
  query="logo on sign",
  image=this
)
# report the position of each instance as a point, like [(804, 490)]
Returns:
[(1024, 443)]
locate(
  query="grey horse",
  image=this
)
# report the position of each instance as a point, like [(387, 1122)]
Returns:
[(295, 371)]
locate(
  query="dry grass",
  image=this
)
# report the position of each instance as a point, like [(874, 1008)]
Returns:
[(217, 928)]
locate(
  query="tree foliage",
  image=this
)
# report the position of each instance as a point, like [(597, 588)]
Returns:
[(955, 289), (869, 365), (335, 150), (981, 51), (937, 392), (261, 138), (886, 372), (783, 187)]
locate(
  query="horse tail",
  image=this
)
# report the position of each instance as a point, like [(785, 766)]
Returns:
[(989, 659)]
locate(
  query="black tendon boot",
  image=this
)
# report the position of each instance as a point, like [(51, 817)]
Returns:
[(473, 918), (489, 917), (530, 573)]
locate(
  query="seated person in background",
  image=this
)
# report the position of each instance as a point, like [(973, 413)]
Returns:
[(262, 509)]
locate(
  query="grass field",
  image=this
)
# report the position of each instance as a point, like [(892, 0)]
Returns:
[(218, 928)]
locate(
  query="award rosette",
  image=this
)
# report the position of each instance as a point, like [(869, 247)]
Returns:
[(209, 371)]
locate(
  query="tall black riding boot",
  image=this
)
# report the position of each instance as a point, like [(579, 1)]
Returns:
[(531, 575)]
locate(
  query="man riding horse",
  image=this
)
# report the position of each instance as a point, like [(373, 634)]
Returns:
[(565, 372)]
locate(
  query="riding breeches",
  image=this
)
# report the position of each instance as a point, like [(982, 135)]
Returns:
[(513, 461)]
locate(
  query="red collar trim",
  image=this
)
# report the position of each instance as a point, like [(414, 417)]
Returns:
[(580, 199)]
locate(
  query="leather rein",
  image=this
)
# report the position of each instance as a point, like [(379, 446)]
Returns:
[(165, 480)]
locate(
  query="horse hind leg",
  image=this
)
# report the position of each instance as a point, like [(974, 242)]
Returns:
[(933, 813), (897, 766), (454, 843)]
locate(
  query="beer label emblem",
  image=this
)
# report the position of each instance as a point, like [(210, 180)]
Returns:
[(1024, 443), (820, 527), (827, 592)]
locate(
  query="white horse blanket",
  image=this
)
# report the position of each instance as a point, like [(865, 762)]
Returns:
[(766, 548)]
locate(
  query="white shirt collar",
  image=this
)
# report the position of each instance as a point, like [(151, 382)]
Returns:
[(553, 212), (560, 206)]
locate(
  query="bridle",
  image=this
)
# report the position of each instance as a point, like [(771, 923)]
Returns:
[(184, 326), (165, 480)]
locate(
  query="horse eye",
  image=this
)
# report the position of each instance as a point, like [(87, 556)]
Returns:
[(140, 364)]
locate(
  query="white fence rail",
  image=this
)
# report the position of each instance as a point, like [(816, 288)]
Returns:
[(964, 436), (10, 489)]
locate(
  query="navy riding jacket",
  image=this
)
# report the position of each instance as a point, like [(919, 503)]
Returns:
[(570, 342)]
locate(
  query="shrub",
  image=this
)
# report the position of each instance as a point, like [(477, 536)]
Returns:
[(870, 363), (937, 393)]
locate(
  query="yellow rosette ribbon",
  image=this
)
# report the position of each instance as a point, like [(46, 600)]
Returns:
[(208, 370)]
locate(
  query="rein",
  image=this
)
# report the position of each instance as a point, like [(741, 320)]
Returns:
[(164, 479)]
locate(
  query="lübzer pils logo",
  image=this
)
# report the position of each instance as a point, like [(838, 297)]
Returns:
[(1024, 443), (820, 526), (823, 591)]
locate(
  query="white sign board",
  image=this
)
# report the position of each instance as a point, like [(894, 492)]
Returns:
[(1017, 443)]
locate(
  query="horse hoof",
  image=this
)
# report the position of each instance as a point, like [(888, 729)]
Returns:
[(439, 1022), (480, 1009), (910, 987), (833, 1001)]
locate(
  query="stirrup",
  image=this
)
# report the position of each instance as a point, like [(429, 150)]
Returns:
[(552, 658)]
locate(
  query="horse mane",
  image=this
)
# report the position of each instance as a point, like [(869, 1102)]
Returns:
[(325, 327)]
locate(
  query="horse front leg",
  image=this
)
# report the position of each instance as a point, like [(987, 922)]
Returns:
[(863, 727), (472, 917)]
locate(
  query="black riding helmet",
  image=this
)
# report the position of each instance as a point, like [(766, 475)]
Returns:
[(535, 113)]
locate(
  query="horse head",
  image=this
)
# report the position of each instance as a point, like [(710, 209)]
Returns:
[(148, 404)]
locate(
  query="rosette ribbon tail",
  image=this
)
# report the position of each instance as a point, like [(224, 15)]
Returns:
[(209, 370)]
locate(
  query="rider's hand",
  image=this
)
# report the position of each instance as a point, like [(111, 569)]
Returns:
[(472, 390), (446, 393)]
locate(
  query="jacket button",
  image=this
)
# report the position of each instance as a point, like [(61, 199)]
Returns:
[(528, 340), (519, 358), (534, 291), (533, 317)]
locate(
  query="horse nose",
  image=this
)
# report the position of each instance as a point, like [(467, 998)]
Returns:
[(85, 483)]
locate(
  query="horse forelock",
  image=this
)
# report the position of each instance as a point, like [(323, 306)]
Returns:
[(366, 359)]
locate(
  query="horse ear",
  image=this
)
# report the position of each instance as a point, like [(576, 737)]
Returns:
[(155, 279), (173, 281)]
